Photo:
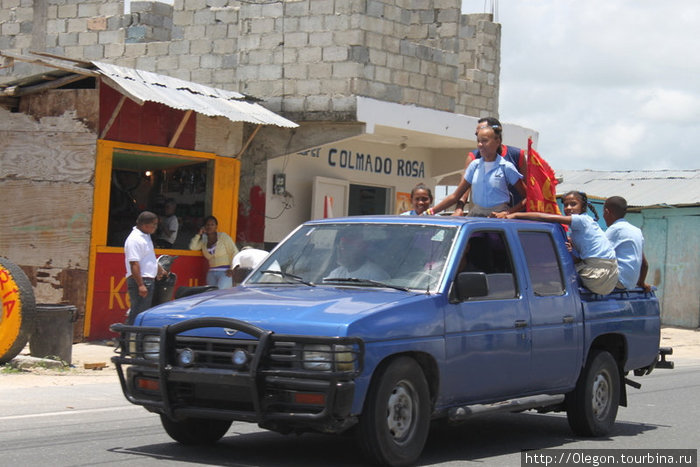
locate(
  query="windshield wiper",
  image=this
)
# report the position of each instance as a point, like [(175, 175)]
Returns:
[(286, 275), (359, 281)]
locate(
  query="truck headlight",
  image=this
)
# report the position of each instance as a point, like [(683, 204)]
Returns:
[(321, 357), (150, 345), (344, 358)]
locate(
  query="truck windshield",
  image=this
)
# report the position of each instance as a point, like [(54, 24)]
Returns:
[(397, 256)]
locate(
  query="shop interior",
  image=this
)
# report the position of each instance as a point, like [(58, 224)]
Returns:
[(145, 181)]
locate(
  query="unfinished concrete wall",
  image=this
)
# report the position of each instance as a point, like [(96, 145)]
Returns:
[(305, 58)]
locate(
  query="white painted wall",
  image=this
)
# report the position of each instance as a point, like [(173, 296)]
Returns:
[(339, 161)]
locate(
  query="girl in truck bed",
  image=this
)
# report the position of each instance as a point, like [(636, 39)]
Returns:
[(593, 253)]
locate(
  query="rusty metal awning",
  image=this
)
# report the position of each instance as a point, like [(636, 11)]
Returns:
[(142, 86)]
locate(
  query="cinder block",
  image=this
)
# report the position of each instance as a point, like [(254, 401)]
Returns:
[(53, 26), (225, 46), (67, 11), (93, 52), (166, 64), (200, 47), (96, 24), (297, 71), (321, 39), (309, 87), (321, 7), (262, 25), (185, 17), (9, 29), (88, 10), (111, 37), (270, 72), (210, 61), (377, 57), (310, 54), (87, 38), (318, 103), (179, 47), (344, 103), (311, 23), (216, 31), (114, 49), (335, 54), (296, 39), (158, 49)]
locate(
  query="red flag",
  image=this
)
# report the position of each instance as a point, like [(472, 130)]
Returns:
[(541, 184)]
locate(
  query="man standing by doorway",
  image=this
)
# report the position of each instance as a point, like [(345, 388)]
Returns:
[(142, 269)]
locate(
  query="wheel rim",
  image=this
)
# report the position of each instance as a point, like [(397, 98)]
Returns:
[(601, 395), (401, 411)]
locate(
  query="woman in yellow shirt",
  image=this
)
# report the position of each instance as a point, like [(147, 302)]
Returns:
[(218, 248)]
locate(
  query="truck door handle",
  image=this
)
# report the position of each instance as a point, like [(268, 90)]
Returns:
[(521, 323), (568, 319)]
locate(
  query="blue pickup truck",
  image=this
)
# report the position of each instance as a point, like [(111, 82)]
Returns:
[(381, 324)]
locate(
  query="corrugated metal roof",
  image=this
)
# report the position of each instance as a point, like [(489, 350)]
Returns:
[(639, 187), (185, 95)]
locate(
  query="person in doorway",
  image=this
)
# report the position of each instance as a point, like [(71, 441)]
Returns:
[(218, 248), (244, 262), (515, 156), (142, 269), (421, 199), (593, 254), (628, 242), (168, 225), (490, 177)]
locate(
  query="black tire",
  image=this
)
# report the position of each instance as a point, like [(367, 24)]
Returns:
[(591, 408), (195, 431), (18, 312), (394, 425)]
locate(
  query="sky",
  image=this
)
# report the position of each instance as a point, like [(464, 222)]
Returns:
[(607, 84)]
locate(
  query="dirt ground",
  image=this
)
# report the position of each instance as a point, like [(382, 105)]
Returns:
[(34, 372)]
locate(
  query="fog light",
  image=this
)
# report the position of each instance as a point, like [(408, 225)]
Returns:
[(147, 384), (239, 357), (309, 398), (186, 357)]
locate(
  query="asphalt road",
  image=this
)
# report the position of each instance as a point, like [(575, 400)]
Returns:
[(92, 424)]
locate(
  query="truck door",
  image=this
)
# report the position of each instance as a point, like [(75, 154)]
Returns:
[(555, 312), (487, 338)]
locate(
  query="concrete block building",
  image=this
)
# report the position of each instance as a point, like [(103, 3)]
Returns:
[(386, 94)]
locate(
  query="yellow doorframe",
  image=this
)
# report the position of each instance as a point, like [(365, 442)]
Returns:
[(224, 202)]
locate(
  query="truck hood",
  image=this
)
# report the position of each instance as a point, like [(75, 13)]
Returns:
[(322, 310)]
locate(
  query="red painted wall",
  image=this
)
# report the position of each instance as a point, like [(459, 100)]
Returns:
[(152, 123), (111, 300), (251, 219)]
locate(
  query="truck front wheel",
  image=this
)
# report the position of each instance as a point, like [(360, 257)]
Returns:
[(396, 419), (195, 431), (591, 408)]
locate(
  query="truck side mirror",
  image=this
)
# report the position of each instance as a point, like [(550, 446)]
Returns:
[(471, 284)]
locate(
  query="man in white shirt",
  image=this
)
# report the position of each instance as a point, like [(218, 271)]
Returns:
[(353, 262), (168, 226), (141, 266)]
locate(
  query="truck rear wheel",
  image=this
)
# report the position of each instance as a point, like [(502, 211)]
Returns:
[(591, 408), (396, 419), (18, 310), (195, 431)]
